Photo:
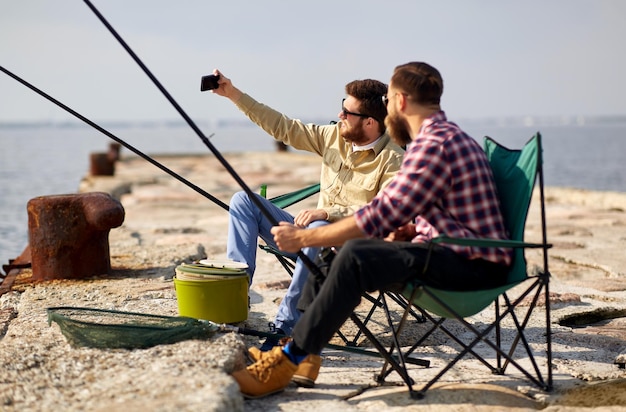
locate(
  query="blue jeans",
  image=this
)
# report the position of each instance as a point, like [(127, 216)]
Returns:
[(246, 224)]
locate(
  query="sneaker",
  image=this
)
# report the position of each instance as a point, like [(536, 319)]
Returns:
[(307, 372), (270, 374), (271, 341)]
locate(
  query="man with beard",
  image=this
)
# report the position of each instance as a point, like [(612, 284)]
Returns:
[(445, 187), (358, 160)]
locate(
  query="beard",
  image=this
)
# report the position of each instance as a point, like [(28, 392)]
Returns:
[(398, 130), (354, 134)]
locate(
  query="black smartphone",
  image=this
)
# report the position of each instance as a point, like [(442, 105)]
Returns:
[(209, 82)]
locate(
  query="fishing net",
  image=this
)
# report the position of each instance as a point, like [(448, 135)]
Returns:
[(99, 328)]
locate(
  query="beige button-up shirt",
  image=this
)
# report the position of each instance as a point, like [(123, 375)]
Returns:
[(349, 179)]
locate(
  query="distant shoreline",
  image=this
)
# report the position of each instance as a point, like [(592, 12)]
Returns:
[(504, 121)]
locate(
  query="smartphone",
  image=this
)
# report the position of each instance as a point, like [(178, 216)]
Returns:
[(209, 82)]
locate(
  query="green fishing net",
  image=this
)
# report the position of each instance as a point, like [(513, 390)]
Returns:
[(100, 328)]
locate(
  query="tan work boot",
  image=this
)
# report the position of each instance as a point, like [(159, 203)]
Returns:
[(307, 372), (270, 374)]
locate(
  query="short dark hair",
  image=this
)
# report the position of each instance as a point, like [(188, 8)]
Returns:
[(421, 81), (369, 93)]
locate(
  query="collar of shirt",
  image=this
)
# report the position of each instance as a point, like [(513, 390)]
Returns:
[(356, 148), (440, 116)]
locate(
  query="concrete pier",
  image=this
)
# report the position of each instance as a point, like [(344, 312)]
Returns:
[(167, 223)]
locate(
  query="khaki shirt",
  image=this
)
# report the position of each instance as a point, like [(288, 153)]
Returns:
[(348, 179)]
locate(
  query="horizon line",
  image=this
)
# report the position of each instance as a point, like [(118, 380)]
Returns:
[(522, 120)]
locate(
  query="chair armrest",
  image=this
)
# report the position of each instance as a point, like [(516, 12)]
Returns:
[(488, 242), (291, 198)]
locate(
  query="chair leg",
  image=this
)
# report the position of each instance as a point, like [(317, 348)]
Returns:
[(286, 264), (403, 303), (481, 336), (376, 303), (499, 367), (345, 339), (399, 366), (546, 282), (541, 287), (380, 377)]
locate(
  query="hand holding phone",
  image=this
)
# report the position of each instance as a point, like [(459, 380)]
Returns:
[(209, 82)]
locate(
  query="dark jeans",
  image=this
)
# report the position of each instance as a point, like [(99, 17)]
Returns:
[(366, 265)]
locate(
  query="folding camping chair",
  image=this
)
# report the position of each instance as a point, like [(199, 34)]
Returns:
[(288, 264), (286, 200), (283, 201), (515, 174)]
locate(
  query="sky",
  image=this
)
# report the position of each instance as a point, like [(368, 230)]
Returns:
[(498, 58)]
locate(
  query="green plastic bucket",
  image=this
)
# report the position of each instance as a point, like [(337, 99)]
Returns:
[(220, 300)]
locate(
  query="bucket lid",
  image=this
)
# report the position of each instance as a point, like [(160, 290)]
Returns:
[(204, 278), (223, 264), (197, 271)]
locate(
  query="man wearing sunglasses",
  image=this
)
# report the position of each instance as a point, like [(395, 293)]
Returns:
[(358, 160)]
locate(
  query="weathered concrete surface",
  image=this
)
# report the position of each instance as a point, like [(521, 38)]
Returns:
[(167, 223)]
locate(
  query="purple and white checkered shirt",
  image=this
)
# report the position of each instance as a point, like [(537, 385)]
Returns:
[(445, 186)]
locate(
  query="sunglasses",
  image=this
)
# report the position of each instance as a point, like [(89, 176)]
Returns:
[(346, 112), (386, 99)]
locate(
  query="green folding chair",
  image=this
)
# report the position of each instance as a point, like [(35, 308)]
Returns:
[(288, 264), (283, 201), (516, 172)]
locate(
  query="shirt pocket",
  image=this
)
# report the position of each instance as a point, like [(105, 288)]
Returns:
[(362, 182), (333, 161)]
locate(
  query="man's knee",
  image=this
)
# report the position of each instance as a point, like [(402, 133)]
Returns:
[(238, 200), (317, 223)]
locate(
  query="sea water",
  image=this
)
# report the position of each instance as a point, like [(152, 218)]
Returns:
[(44, 159)]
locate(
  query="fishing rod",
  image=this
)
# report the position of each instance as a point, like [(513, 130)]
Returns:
[(305, 259), (223, 327), (117, 139)]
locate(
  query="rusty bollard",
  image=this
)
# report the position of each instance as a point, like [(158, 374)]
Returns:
[(114, 152), (100, 165), (69, 234), (103, 164)]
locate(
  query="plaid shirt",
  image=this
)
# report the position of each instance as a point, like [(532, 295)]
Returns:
[(445, 186)]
